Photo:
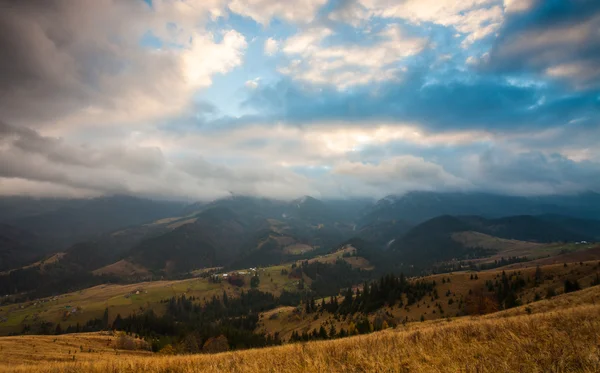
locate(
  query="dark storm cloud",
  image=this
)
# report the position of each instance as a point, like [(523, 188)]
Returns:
[(536, 173), (60, 57), (560, 39)]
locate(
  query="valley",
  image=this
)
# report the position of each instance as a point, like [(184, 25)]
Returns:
[(243, 273)]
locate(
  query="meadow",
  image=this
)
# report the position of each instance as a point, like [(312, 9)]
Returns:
[(562, 336)]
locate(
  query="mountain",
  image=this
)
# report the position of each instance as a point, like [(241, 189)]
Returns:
[(383, 233), (246, 231), (83, 219), (432, 241), (420, 206), (584, 227), (17, 247), (213, 239), (17, 207), (524, 228)]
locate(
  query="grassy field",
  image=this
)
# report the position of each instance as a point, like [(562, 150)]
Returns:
[(451, 288), (562, 337), (41, 349), (124, 299), (506, 248)]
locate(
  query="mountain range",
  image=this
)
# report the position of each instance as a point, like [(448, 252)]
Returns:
[(172, 238)]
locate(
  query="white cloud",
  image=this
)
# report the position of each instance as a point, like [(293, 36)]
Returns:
[(271, 46), (349, 65), (474, 18), (399, 174), (299, 11), (252, 84), (517, 6), (204, 57)]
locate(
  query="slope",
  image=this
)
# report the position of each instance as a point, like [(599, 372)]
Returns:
[(508, 343)]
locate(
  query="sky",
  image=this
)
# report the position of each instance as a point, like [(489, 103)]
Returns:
[(201, 99)]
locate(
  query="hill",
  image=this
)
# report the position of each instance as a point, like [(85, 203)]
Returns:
[(211, 240), (17, 247), (584, 227), (81, 219), (436, 240), (529, 341)]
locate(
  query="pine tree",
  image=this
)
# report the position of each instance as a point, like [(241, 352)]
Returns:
[(322, 333), (105, 319), (225, 299), (332, 331), (255, 281), (117, 324)]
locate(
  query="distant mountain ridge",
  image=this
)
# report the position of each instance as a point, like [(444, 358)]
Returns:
[(243, 230), (17, 247), (417, 207), (432, 240), (82, 219)]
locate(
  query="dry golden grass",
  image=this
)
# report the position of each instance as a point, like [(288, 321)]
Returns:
[(504, 246), (589, 253), (43, 349), (285, 320), (557, 340), (562, 342)]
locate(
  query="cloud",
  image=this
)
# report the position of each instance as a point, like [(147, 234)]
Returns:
[(556, 39), (74, 64), (474, 18), (355, 98), (400, 174), (204, 57), (534, 173), (345, 65), (271, 46), (252, 84), (31, 160), (302, 11)]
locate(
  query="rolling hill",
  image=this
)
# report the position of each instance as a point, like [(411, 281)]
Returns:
[(444, 342), (435, 241)]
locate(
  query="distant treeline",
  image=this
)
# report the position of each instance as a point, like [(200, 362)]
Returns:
[(470, 265), (56, 278)]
